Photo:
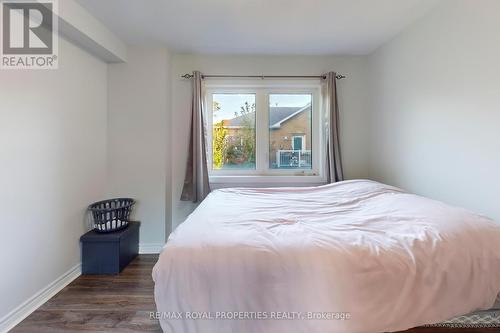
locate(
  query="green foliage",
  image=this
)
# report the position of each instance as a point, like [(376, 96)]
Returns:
[(246, 135), (219, 144), (241, 148), (218, 140)]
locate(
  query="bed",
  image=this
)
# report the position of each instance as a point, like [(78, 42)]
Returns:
[(354, 256)]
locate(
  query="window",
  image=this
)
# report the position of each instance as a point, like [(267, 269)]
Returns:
[(264, 133), (233, 131), (290, 124)]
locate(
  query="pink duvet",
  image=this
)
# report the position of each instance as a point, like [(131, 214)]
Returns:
[(355, 256)]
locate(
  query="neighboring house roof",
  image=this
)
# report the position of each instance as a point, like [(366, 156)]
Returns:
[(278, 115)]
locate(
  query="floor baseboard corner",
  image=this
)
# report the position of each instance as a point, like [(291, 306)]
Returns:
[(17, 315)]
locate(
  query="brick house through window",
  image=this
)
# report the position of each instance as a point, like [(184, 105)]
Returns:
[(289, 135)]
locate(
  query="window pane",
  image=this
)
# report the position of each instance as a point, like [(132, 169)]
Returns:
[(233, 132), (290, 129)]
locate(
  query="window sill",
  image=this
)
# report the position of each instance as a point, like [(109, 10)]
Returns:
[(265, 181)]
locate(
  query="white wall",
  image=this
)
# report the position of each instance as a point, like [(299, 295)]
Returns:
[(436, 107), (353, 95), (53, 164), (138, 141)]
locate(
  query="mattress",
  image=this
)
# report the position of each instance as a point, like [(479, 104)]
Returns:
[(354, 256)]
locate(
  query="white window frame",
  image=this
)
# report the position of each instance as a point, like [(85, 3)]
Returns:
[(262, 175)]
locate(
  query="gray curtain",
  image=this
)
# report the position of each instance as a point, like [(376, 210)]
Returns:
[(196, 185), (334, 171)]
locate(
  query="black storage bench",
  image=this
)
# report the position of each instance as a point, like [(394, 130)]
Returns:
[(109, 253)]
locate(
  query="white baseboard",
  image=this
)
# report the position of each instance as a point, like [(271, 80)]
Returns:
[(150, 248), (29, 306), (25, 309)]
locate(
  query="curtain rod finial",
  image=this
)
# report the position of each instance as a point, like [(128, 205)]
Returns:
[(187, 76)]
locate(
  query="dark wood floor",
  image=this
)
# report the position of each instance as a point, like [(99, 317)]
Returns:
[(120, 303), (100, 303)]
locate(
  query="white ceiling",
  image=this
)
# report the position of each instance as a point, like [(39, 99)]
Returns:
[(259, 26)]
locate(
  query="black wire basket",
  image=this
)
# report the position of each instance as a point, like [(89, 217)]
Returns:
[(111, 215)]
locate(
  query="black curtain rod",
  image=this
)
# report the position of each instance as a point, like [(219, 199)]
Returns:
[(339, 76)]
